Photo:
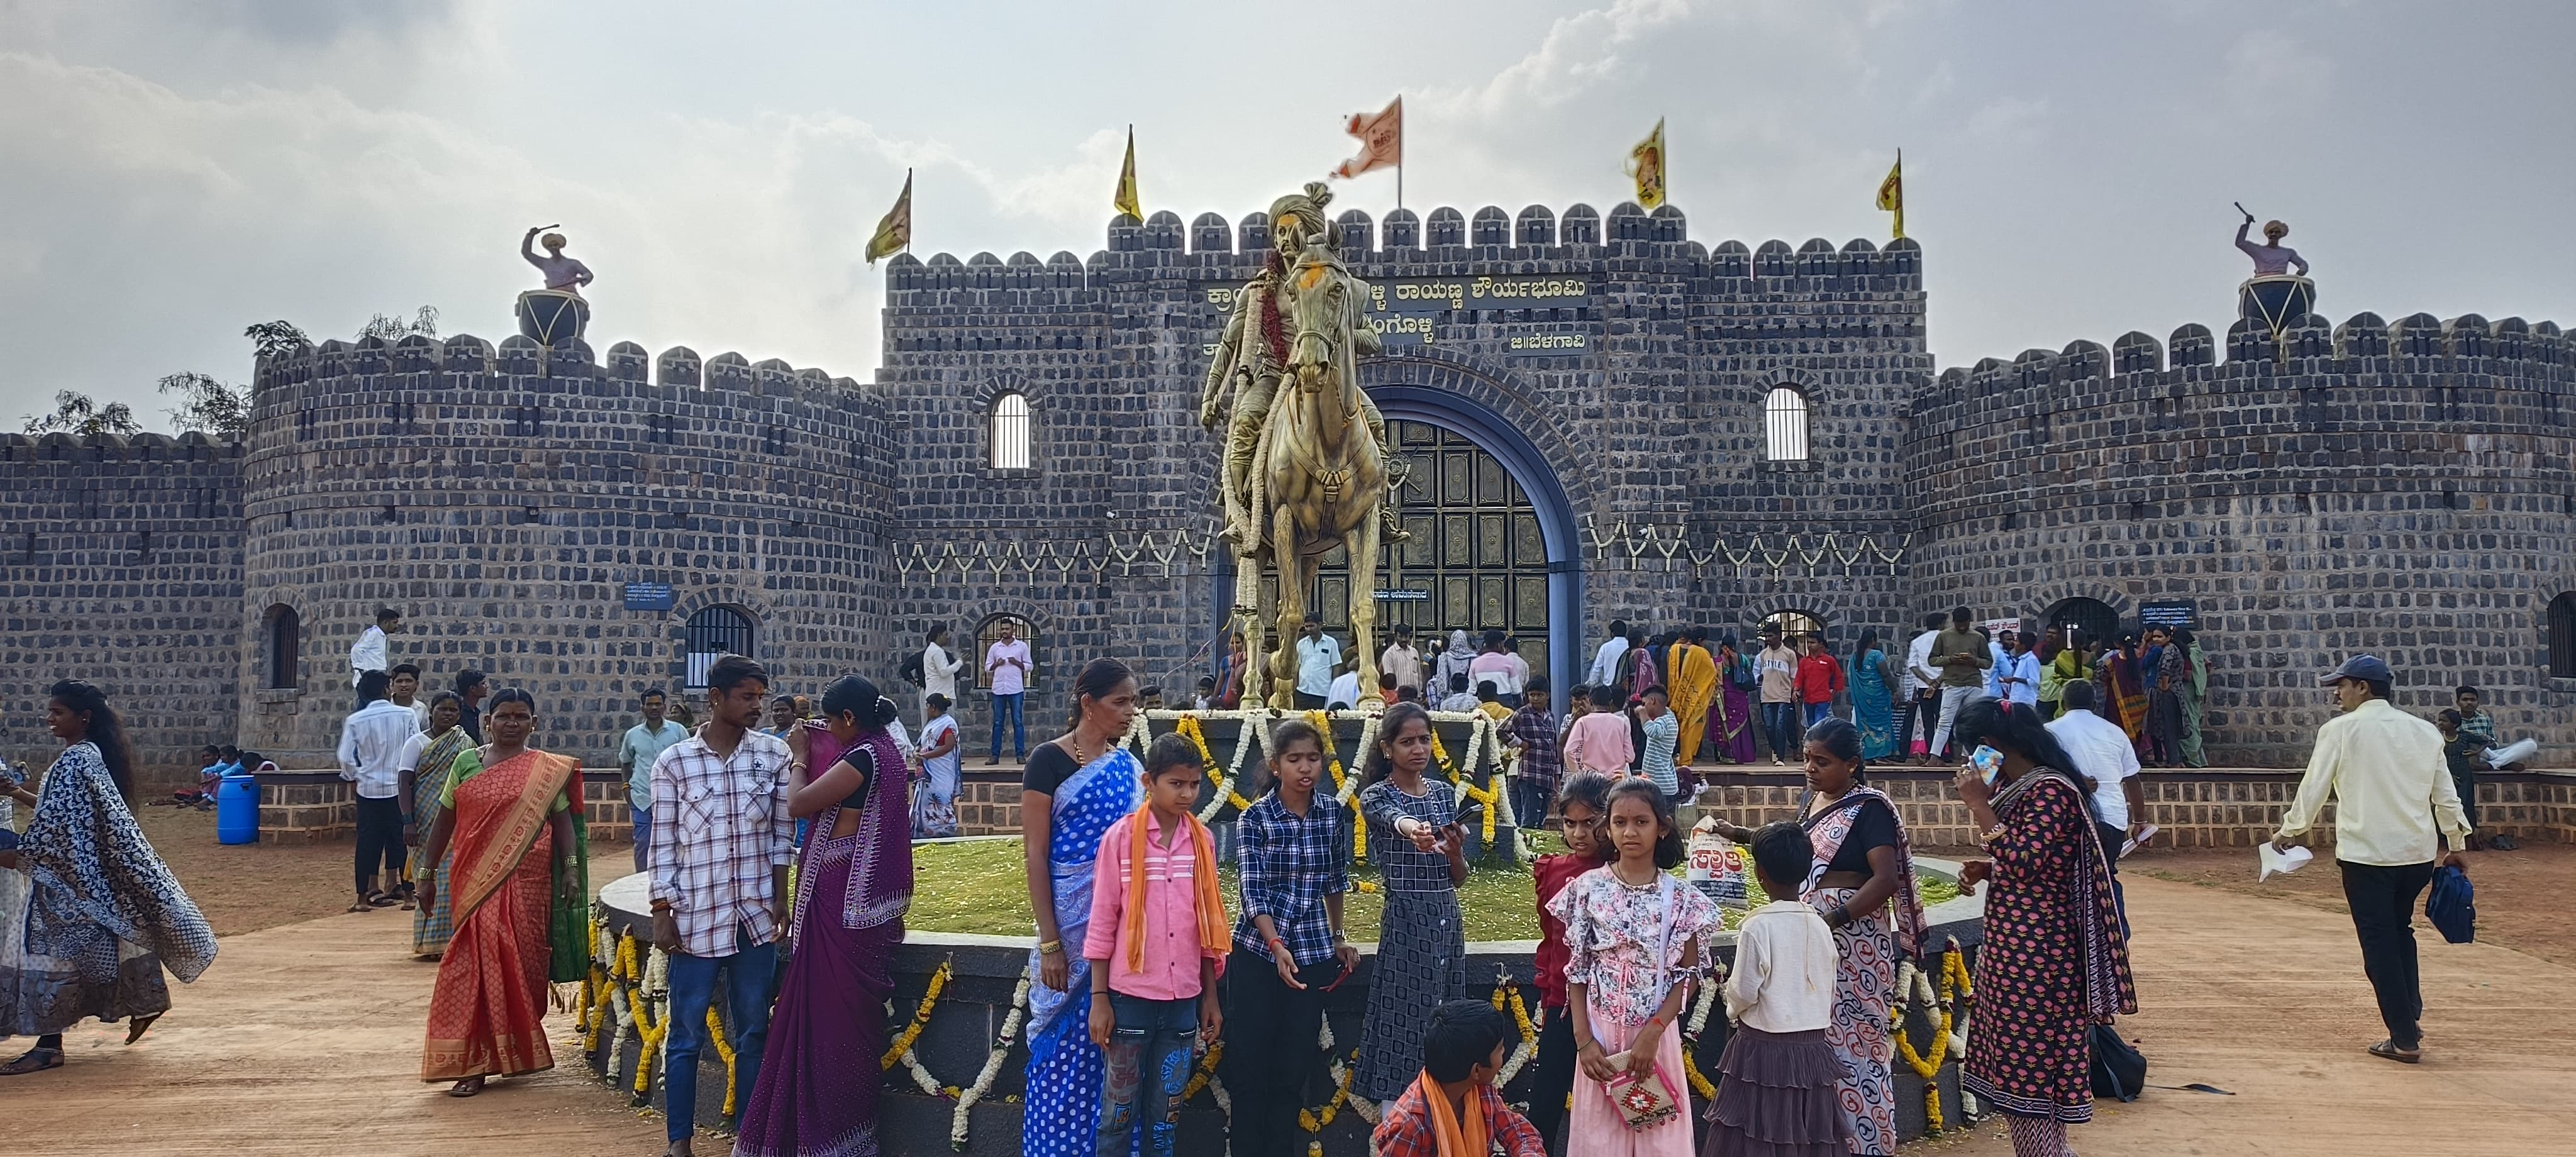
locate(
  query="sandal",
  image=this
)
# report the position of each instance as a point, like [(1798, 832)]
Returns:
[(2388, 1050), (134, 1029), (382, 899), (362, 906), (35, 1060), (467, 1087)]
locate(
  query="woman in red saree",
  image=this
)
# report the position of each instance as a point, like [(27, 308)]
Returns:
[(518, 880)]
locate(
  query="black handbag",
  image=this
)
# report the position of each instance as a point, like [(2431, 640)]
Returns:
[(2119, 1071)]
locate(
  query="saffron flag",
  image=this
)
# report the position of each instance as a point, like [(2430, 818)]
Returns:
[(894, 234), (1646, 166), (1891, 193), (1125, 199), (1381, 140)]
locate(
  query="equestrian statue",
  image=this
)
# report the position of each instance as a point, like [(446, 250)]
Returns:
[(1305, 452)]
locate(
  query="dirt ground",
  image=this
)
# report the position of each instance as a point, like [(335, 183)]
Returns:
[(2519, 892), (247, 887)]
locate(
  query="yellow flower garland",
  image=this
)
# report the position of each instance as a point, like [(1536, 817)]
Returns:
[(1314, 1121), (648, 1034), (1207, 1069), (1954, 987), (920, 1016), (1188, 725), (724, 1048)]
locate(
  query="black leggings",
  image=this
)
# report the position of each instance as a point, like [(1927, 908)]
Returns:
[(1553, 1080), (380, 841)]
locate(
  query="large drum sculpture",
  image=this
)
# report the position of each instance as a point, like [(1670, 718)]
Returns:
[(2278, 300), (552, 317)]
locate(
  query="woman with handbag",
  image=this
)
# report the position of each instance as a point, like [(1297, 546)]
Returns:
[(2054, 963), (1635, 940)]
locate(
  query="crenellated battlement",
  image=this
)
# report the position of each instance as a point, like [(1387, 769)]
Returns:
[(1537, 234), (465, 361)]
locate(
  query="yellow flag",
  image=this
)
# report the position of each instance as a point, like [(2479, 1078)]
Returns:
[(894, 234), (1646, 166), (1125, 199), (1891, 193)]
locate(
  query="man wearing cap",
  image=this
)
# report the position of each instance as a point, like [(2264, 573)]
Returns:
[(2394, 804)]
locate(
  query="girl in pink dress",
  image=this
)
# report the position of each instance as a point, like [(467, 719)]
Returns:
[(1636, 938)]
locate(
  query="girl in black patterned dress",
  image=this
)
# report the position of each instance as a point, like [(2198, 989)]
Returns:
[(1421, 858)]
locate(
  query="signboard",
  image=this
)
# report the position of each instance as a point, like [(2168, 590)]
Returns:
[(1404, 596), (2169, 613), (1554, 342), (1415, 311), (650, 597)]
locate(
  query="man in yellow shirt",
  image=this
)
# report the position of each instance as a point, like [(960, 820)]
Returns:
[(2394, 804)]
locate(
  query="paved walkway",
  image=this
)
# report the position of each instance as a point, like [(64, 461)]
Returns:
[(2267, 999), (305, 1039)]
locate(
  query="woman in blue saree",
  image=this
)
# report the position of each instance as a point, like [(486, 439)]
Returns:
[(1074, 789)]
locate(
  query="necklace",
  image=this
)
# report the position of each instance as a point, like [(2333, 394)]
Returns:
[(1081, 754)]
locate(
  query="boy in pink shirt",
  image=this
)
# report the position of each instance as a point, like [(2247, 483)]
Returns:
[(1600, 742), (1157, 939)]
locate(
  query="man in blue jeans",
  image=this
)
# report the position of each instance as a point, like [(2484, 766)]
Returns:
[(721, 846), (1006, 670)]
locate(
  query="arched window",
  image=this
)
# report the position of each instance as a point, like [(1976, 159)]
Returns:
[(285, 634), (2562, 636), (1791, 624), (712, 634), (1011, 432), (2087, 622), (1784, 420), (989, 632)]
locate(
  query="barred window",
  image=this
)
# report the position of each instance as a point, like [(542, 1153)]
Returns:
[(1784, 419), (1011, 432), (285, 638), (712, 634), (2562, 636)]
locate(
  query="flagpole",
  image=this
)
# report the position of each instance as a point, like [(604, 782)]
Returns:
[(1399, 151)]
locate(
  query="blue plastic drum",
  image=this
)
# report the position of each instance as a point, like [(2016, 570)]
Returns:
[(237, 810), (551, 317)]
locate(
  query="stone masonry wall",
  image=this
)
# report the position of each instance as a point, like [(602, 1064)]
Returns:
[(2404, 490), (502, 499), (121, 564)]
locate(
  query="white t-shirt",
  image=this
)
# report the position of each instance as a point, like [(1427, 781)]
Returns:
[(1345, 692), (939, 672), (1918, 664), (2101, 750)]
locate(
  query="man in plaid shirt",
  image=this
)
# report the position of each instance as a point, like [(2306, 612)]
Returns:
[(1461, 1055), (1533, 735), (722, 840)]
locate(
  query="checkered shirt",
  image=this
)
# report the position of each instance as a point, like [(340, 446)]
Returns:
[(1541, 761), (720, 826), (1288, 866)]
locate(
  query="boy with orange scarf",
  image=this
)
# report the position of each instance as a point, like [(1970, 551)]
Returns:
[(1157, 942), (1453, 1109)]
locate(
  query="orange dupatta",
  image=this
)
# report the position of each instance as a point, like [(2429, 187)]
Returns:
[(1216, 933), (1456, 1138), (488, 850)]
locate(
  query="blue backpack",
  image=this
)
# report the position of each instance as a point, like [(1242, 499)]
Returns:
[(2453, 905)]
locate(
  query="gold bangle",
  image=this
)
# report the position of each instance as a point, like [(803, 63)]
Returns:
[(1050, 947), (1991, 834)]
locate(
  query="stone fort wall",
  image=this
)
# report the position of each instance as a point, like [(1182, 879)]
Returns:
[(1654, 430), (2398, 488), (502, 498), (121, 564)]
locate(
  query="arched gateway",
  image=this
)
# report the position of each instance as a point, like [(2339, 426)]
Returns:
[(1494, 542)]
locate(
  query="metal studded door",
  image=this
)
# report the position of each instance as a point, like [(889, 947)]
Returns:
[(1475, 561)]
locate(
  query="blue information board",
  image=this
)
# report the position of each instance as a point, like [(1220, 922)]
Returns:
[(650, 597)]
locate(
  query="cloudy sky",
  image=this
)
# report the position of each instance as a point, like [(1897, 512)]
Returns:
[(171, 172)]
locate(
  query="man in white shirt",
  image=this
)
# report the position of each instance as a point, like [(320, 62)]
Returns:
[(371, 747), (1318, 656), (1401, 660), (2394, 805), (1493, 665), (1345, 691), (369, 652), (1923, 691), (1605, 661), (938, 670), (1006, 669), (404, 691), (2106, 759), (2020, 671)]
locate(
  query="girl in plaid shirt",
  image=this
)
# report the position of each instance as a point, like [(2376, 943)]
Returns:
[(1288, 946)]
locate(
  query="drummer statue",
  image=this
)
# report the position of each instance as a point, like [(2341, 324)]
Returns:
[(2274, 296), (2271, 259), (557, 313)]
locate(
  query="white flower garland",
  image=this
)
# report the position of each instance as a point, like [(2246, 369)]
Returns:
[(992, 1063)]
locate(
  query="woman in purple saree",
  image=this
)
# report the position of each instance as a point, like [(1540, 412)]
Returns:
[(817, 1093)]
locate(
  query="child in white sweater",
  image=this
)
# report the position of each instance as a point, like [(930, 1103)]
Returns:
[(1778, 1073)]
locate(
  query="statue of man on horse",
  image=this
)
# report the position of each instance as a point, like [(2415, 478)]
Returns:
[(1305, 454)]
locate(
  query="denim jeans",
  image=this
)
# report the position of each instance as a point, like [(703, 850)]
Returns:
[(1008, 706), (1780, 727), (751, 980), (1817, 712), (1148, 1066), (643, 834)]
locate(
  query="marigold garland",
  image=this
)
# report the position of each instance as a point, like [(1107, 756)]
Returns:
[(920, 1016), (724, 1048), (1954, 990)]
